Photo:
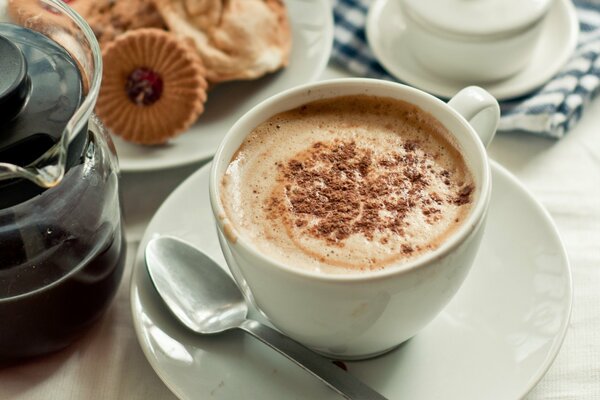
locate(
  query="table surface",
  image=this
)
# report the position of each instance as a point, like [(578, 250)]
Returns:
[(564, 175)]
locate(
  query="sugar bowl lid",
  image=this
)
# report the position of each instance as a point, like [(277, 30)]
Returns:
[(477, 17)]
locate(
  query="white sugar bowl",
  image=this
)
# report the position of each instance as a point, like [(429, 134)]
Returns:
[(474, 41)]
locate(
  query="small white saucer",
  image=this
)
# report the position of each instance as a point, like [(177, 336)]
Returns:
[(385, 34), (495, 340)]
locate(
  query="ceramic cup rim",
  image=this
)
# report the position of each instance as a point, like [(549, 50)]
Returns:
[(240, 128)]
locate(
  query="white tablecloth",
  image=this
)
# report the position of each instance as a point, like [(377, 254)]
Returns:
[(565, 176)]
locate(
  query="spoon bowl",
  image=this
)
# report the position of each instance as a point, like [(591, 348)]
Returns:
[(196, 290)]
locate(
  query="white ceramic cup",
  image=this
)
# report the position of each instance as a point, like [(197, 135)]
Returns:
[(362, 314)]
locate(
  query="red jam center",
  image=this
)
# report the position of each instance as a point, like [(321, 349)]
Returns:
[(144, 86)]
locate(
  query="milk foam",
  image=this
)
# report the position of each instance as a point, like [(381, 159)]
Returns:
[(345, 184)]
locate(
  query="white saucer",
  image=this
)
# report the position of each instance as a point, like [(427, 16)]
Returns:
[(385, 33), (495, 340), (312, 39)]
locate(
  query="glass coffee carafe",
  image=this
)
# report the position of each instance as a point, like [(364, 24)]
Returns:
[(61, 241)]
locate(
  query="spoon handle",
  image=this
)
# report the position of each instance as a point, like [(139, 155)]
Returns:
[(322, 368)]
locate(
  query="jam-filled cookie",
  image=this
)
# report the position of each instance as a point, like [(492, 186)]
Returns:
[(153, 86)]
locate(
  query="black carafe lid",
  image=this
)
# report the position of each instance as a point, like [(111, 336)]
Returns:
[(40, 90)]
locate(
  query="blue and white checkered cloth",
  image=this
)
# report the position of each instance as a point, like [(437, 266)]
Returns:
[(549, 111)]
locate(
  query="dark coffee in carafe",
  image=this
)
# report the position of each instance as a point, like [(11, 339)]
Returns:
[(61, 244)]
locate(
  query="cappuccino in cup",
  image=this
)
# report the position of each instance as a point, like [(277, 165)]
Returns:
[(350, 211), (346, 184)]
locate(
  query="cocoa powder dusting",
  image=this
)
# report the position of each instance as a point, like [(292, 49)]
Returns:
[(406, 249), (464, 195), (349, 183), (333, 184)]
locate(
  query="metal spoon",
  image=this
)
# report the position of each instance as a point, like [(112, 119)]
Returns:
[(206, 300)]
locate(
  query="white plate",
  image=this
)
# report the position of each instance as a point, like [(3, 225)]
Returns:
[(495, 340), (312, 36), (385, 33)]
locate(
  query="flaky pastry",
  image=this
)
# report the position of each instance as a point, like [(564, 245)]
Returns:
[(111, 18), (237, 39)]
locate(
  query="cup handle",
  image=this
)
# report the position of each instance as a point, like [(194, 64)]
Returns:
[(480, 109)]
